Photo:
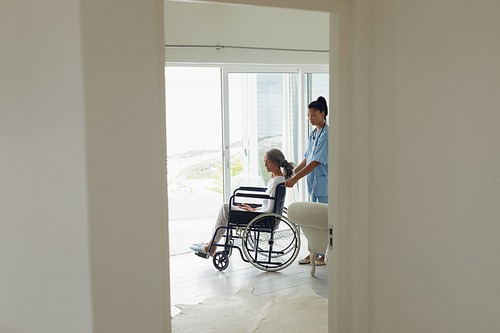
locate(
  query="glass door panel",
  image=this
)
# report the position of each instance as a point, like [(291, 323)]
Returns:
[(194, 159), (317, 84), (263, 108)]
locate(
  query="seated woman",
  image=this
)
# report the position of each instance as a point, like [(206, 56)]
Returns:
[(280, 170)]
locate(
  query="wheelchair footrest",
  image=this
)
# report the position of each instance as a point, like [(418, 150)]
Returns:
[(203, 255)]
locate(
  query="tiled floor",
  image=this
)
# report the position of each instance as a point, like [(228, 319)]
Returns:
[(192, 279)]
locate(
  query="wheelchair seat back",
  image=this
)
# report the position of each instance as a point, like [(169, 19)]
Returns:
[(239, 218), (280, 194)]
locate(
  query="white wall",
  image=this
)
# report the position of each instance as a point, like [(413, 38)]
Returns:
[(82, 167), (44, 258), (188, 23), (434, 166), (126, 163)]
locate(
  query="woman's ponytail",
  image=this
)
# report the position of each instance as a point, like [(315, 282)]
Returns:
[(288, 169), (277, 157), (322, 100)]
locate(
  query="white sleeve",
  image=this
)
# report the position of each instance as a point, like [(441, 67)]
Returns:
[(267, 205)]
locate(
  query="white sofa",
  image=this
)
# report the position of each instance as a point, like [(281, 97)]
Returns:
[(312, 217)]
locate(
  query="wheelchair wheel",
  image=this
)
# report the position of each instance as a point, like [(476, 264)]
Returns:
[(221, 260), (271, 242)]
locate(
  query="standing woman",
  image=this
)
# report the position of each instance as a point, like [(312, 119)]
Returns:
[(315, 163)]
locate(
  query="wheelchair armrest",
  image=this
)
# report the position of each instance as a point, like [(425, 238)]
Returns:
[(250, 189), (248, 195), (251, 195)]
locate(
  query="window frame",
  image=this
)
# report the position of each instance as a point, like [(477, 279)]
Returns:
[(303, 125)]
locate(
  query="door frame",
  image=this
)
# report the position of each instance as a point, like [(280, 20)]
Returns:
[(225, 70), (345, 309)]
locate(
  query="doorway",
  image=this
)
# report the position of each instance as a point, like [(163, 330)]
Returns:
[(211, 53)]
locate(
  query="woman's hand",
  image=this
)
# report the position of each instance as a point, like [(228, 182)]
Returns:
[(247, 208), (304, 172), (290, 182)]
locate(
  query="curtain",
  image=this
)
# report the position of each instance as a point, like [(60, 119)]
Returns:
[(289, 143)]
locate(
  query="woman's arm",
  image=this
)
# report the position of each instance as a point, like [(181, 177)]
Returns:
[(304, 172), (247, 208), (300, 166)]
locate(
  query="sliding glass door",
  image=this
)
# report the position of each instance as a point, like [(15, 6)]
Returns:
[(315, 85), (220, 121), (260, 113)]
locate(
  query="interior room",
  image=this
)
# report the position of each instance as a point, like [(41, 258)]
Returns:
[(251, 69), (249, 88), (415, 206)]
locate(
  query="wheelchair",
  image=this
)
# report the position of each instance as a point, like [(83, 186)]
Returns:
[(269, 241)]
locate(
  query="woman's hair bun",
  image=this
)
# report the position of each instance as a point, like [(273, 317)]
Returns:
[(320, 105), (322, 100)]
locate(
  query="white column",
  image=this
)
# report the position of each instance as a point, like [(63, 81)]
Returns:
[(82, 167), (44, 258)]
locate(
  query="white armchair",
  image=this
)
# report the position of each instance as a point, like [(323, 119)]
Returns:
[(312, 217)]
